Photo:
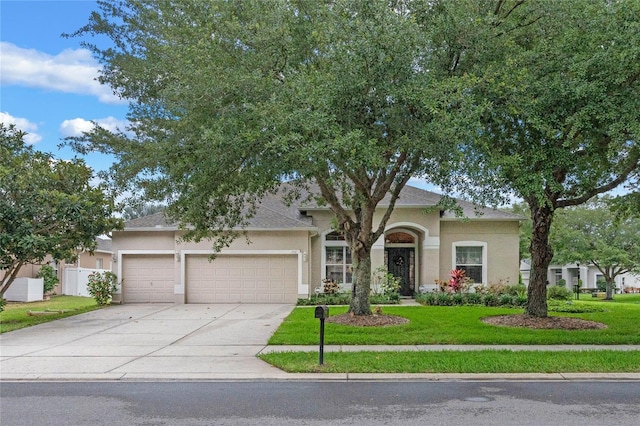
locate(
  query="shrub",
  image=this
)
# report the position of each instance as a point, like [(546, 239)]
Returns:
[(490, 299), (325, 299), (558, 293), (49, 278), (386, 283), (516, 290), (101, 286), (497, 288), (426, 299), (457, 299), (330, 286), (459, 282), (473, 298), (2, 303), (521, 301), (343, 299), (443, 299), (506, 300)]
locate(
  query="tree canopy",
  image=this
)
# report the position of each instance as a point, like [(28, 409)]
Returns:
[(48, 207), (563, 83), (230, 99), (591, 234), (354, 97)]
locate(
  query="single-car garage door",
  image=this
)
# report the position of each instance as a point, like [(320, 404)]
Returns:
[(148, 278), (243, 278)]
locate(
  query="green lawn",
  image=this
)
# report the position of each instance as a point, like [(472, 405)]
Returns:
[(433, 325), (633, 298), (485, 361), (460, 325), (15, 315)]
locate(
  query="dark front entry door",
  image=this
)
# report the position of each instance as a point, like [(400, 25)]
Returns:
[(400, 264)]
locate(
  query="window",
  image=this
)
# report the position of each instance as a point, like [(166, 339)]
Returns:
[(557, 276), (338, 264), (472, 259), (337, 258), (98, 263)]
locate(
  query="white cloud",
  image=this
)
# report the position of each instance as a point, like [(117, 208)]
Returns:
[(77, 126), (70, 71), (24, 125)]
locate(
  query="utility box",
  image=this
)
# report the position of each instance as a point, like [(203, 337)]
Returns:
[(25, 290), (322, 312)]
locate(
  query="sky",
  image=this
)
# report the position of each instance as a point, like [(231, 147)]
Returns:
[(48, 84)]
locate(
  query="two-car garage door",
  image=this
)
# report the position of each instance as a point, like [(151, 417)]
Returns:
[(237, 278), (242, 278)]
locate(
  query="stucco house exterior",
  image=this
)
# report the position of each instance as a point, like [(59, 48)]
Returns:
[(76, 272), (290, 249), (587, 274)]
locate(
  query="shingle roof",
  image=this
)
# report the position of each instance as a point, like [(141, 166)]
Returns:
[(274, 213), (104, 244)]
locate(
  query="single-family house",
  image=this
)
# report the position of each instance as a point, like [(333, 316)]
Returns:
[(290, 249), (588, 275), (72, 276)]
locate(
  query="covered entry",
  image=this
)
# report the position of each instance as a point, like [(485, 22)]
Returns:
[(400, 258)]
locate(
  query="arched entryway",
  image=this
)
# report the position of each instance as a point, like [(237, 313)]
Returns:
[(400, 254)]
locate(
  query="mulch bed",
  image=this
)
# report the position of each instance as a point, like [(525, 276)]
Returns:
[(556, 323)]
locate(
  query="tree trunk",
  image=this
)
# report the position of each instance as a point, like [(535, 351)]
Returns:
[(610, 285), (541, 256), (361, 278)]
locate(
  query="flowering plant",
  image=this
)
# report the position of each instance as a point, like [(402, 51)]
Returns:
[(101, 286), (459, 282), (330, 286)]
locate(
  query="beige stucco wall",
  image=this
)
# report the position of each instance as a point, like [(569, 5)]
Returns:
[(502, 240), (170, 240), (427, 253)]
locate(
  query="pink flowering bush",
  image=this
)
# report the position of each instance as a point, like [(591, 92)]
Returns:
[(101, 286)]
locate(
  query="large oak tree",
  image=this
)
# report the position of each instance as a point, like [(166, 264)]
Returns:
[(563, 82), (229, 99), (592, 234)]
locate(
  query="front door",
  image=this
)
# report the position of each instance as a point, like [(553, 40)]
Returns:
[(399, 264)]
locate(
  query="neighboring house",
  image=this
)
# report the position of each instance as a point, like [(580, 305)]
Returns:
[(74, 276), (293, 248), (588, 274), (100, 259)]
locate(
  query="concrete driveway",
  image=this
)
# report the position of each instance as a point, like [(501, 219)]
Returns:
[(146, 342)]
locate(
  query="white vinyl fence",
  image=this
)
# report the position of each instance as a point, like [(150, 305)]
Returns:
[(75, 281)]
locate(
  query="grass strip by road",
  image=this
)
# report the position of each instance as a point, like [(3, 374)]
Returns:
[(461, 325), (15, 315), (483, 361)]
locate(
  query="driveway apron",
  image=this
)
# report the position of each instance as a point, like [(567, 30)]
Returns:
[(146, 342)]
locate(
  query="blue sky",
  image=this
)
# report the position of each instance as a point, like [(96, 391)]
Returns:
[(47, 82)]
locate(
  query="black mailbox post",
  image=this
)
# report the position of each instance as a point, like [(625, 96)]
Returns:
[(322, 313)]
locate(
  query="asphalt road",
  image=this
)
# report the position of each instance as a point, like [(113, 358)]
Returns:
[(318, 403)]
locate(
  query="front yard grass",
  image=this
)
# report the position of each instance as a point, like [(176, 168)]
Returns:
[(15, 315), (484, 361), (460, 325)]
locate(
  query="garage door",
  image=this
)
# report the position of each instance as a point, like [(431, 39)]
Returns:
[(148, 278), (242, 278)]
